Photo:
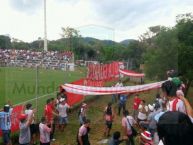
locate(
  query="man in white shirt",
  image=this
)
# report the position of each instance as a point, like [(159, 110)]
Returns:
[(143, 110), (63, 117), (33, 128)]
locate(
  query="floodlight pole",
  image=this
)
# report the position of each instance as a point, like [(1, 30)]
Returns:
[(45, 29), (37, 91)]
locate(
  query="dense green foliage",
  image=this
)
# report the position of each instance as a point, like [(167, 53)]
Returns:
[(171, 48)]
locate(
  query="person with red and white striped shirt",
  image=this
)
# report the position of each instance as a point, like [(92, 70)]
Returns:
[(174, 103)]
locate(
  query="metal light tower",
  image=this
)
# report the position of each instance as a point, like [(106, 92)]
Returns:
[(45, 29)]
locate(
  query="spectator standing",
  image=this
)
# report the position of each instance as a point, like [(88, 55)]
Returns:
[(45, 132), (169, 89), (33, 127), (49, 115), (63, 117), (114, 97), (82, 113), (108, 115), (24, 126), (128, 122), (5, 124), (83, 138), (143, 110), (122, 103), (159, 101), (119, 84), (136, 103), (150, 125)]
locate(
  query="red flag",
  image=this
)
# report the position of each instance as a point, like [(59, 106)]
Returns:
[(17, 110)]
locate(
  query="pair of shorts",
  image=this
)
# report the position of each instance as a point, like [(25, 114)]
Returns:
[(109, 124), (34, 128), (6, 136), (63, 120), (82, 119)]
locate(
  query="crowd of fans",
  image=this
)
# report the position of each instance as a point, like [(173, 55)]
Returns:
[(167, 121), (29, 58)]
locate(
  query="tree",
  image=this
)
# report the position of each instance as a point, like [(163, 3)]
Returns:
[(72, 36), (5, 42), (184, 29)]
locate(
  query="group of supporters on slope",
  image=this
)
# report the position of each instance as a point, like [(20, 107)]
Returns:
[(167, 121)]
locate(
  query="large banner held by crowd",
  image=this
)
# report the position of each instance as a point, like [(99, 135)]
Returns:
[(88, 90), (74, 98), (17, 110), (131, 73)]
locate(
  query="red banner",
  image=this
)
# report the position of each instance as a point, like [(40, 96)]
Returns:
[(103, 72), (75, 98), (17, 110)]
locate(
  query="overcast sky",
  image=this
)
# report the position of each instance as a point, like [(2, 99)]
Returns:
[(105, 19)]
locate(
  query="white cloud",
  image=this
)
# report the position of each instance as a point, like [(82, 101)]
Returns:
[(23, 19)]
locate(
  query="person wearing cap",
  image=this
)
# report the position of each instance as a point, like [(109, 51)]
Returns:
[(5, 124), (24, 126), (33, 127), (146, 139), (63, 117), (82, 113), (83, 138), (45, 132), (108, 116)]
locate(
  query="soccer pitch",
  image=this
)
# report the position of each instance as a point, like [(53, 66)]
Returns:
[(19, 84)]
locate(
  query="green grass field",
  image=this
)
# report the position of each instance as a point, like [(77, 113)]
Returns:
[(18, 85), (49, 80)]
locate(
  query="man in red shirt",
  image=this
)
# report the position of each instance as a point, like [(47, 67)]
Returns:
[(49, 115), (136, 103)]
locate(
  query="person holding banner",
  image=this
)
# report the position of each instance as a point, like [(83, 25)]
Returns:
[(24, 126), (63, 116), (45, 132), (5, 124), (49, 115)]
